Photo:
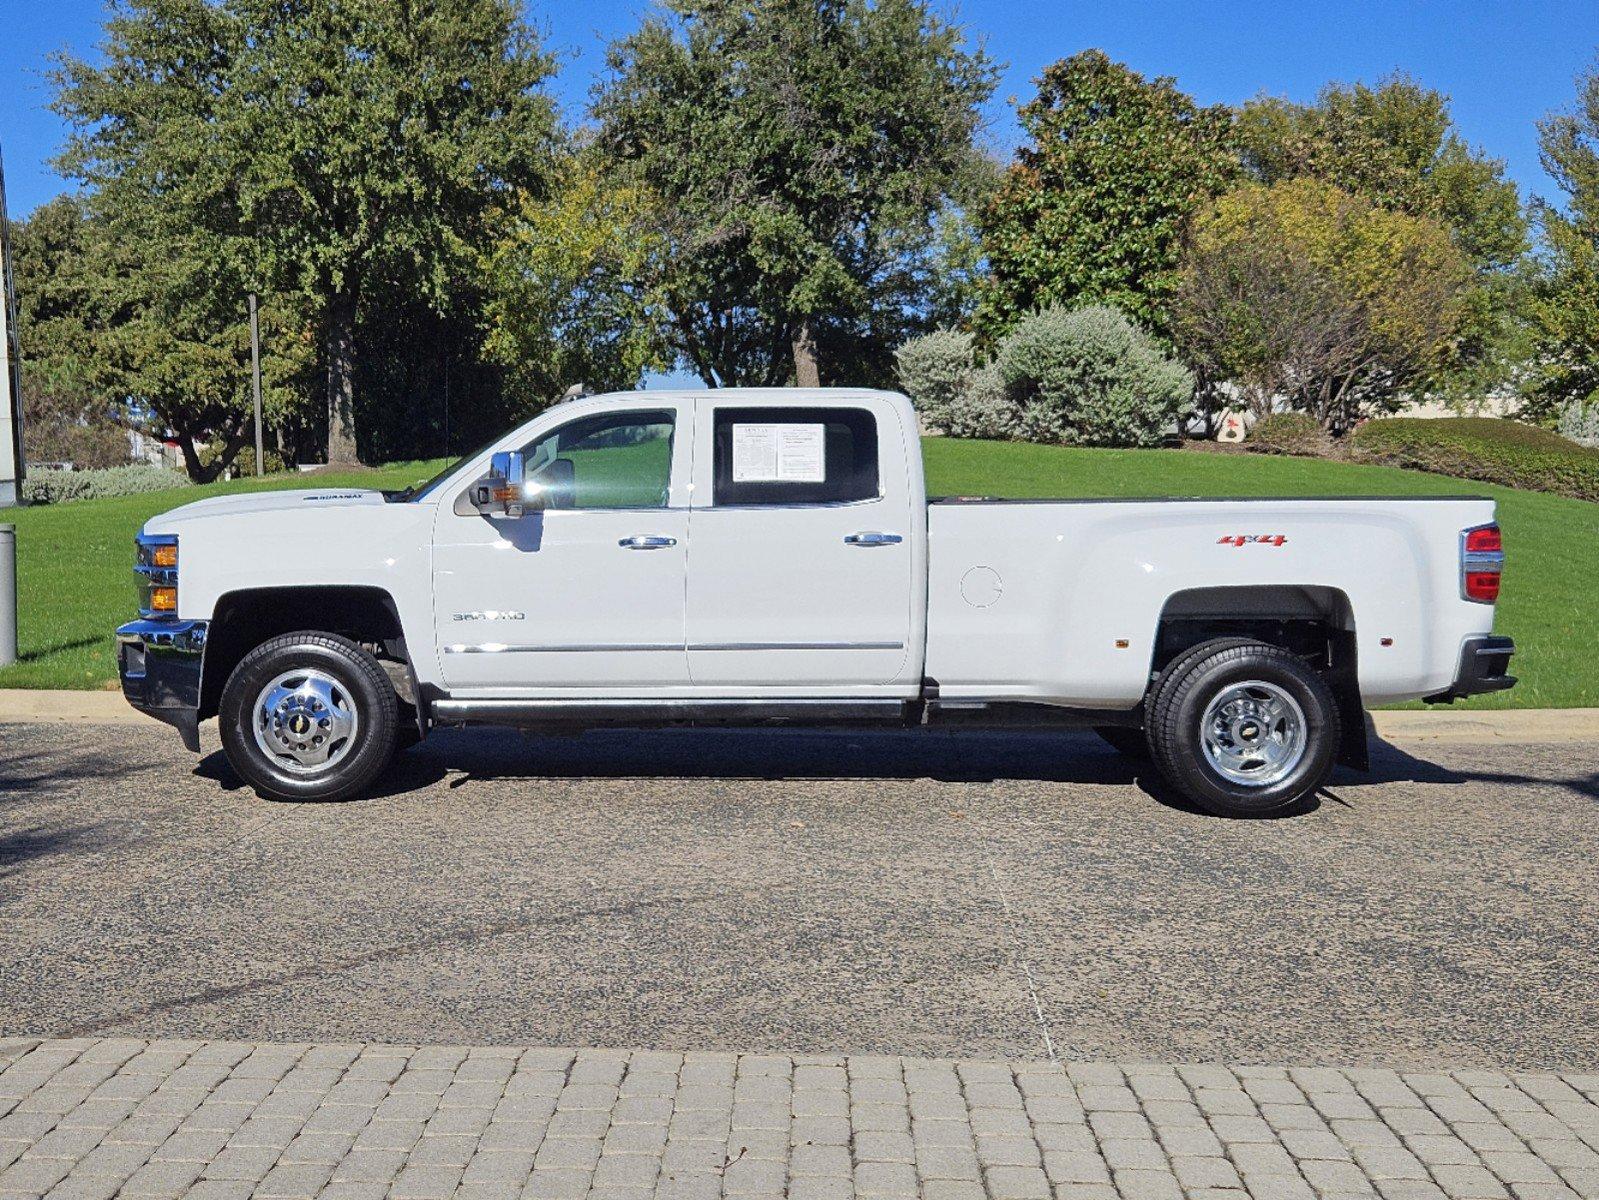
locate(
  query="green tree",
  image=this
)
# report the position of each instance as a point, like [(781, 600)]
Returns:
[(1566, 305), (1095, 208), (1304, 292), (799, 154), (569, 301), (348, 146), (1397, 145), (54, 269), (131, 324)]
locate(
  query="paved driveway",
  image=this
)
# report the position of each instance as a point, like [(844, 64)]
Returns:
[(911, 894)]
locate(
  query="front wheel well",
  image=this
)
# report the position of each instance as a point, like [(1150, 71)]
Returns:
[(1316, 623), (245, 619)]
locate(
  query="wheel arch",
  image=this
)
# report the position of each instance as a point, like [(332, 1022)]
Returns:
[(1311, 620), (246, 618)]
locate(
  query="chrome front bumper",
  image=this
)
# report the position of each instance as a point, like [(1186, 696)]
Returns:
[(160, 662)]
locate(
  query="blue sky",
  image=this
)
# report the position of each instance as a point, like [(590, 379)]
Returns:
[(1505, 64)]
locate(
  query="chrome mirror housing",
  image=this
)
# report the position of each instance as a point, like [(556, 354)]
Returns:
[(501, 493)]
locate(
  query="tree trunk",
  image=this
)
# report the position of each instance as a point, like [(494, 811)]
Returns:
[(341, 380), (807, 373)]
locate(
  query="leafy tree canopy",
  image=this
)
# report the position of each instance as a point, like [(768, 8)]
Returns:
[(1566, 307), (1095, 208), (1303, 291), (1396, 144), (326, 144), (799, 154), (568, 302)]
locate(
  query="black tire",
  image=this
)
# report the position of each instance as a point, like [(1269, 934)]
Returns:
[(356, 685), (1208, 674), (1126, 740), (1159, 697)]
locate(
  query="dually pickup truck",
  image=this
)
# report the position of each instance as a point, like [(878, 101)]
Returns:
[(750, 557)]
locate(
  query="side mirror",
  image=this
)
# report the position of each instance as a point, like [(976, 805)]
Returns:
[(502, 492)]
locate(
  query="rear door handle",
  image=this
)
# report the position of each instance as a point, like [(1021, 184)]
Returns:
[(644, 541), (872, 538)]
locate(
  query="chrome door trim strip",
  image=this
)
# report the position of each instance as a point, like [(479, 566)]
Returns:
[(568, 648), (797, 646), (617, 647)]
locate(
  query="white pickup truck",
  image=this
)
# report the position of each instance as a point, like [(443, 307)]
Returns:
[(770, 556)]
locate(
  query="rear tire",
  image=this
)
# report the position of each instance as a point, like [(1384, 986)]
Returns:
[(309, 716), (1244, 729)]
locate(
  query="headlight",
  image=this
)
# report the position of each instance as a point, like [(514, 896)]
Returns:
[(156, 564)]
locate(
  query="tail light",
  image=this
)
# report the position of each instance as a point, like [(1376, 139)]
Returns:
[(1482, 560)]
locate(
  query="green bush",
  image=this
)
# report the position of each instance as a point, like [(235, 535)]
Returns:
[(1579, 421), (1485, 448), (1289, 433), (936, 372), (1090, 377), (981, 409), (58, 487)]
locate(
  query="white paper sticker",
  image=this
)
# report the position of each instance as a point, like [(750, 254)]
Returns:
[(779, 454)]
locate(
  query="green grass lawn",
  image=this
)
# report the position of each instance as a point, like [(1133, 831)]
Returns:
[(75, 560)]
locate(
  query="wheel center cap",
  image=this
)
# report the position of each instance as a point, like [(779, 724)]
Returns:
[(299, 723)]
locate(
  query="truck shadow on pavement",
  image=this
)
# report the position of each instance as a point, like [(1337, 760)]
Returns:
[(461, 757)]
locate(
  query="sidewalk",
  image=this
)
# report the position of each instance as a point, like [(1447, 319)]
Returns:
[(86, 1118), (1516, 726)]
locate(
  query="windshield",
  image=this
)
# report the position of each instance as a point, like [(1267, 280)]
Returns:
[(418, 490)]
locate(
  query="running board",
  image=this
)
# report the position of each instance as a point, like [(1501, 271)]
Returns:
[(544, 713)]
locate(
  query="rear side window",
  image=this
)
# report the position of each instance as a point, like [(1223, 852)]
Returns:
[(794, 456)]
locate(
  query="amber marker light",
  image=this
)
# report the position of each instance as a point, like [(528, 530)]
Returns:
[(164, 599), (165, 556)]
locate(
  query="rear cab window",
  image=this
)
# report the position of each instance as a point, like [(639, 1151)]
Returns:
[(794, 456)]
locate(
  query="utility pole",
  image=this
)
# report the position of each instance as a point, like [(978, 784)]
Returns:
[(255, 386), (11, 461), (11, 464)]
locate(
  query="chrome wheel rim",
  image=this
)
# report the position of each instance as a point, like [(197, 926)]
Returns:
[(1254, 734), (306, 721)]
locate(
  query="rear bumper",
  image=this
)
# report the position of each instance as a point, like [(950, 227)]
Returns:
[(1484, 667), (160, 663)]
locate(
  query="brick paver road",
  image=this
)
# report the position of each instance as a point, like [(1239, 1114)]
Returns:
[(98, 1118)]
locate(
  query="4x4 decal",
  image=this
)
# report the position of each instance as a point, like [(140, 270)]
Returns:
[(1245, 539)]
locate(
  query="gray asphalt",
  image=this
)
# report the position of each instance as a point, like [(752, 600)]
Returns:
[(801, 891)]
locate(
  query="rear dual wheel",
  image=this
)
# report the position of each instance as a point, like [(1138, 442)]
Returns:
[(1242, 728)]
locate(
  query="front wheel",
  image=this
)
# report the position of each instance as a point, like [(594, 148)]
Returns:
[(308, 716), (1246, 730)]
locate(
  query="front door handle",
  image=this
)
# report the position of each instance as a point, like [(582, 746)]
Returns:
[(643, 541), (872, 538)]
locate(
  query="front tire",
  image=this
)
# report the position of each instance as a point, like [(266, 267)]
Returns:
[(309, 716), (1245, 729)]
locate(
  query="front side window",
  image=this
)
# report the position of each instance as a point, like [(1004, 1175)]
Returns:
[(610, 460), (794, 456)]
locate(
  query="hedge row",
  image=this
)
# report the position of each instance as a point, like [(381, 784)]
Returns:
[(1290, 433), (1484, 448), (57, 487)]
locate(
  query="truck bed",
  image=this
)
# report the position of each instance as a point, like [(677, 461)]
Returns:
[(1061, 601)]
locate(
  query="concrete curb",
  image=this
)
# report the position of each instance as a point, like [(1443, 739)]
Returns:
[(1523, 726)]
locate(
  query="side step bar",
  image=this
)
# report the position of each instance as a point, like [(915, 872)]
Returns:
[(537, 714)]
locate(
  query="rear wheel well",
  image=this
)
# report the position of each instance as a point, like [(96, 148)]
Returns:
[(1315, 623), (244, 620)]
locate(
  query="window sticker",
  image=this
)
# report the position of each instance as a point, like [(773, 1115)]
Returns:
[(779, 454)]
